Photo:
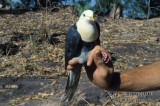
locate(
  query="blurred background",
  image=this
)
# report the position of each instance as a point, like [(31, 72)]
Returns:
[(138, 9)]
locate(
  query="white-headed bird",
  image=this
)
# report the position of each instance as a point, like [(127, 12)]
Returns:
[(80, 40)]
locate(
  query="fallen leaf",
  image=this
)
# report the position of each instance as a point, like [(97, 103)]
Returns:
[(53, 83)]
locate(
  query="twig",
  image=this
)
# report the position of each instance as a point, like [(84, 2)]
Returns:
[(86, 101), (111, 98), (8, 52), (155, 8)]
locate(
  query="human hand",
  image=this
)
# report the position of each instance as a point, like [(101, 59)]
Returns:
[(98, 72)]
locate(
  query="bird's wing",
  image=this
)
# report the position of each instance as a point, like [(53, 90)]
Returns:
[(98, 28), (72, 44)]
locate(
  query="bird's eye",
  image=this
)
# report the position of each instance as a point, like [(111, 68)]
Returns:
[(84, 15)]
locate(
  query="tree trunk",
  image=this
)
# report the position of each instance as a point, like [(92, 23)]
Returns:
[(119, 12), (37, 3), (148, 9), (113, 11), (1, 5), (116, 11)]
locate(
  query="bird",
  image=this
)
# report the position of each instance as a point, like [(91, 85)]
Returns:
[(81, 38)]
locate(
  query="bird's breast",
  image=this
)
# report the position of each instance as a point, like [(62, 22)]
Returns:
[(88, 32)]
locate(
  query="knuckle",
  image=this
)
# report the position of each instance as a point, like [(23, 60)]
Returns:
[(97, 46)]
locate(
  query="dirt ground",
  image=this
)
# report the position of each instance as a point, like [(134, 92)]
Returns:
[(32, 57)]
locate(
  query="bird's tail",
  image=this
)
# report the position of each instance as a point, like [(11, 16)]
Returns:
[(72, 83)]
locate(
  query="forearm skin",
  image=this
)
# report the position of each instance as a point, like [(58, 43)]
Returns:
[(144, 78)]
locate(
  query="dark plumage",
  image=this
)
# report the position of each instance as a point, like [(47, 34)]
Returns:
[(74, 43), (79, 43)]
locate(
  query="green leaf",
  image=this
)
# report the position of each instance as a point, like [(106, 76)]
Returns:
[(82, 6)]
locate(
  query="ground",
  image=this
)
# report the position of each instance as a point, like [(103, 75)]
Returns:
[(32, 57)]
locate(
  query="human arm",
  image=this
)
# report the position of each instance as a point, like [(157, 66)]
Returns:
[(144, 78), (141, 79)]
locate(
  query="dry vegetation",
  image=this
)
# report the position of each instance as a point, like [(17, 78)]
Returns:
[(39, 38), (32, 43)]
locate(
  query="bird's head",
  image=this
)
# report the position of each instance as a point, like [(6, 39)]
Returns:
[(87, 15)]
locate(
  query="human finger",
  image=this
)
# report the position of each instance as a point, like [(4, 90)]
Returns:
[(70, 67), (98, 58), (73, 62), (90, 58)]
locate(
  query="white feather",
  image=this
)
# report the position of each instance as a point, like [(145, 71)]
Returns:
[(86, 27)]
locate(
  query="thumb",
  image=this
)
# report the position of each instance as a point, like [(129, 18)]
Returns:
[(98, 59)]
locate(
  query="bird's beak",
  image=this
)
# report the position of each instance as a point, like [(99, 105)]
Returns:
[(92, 18)]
